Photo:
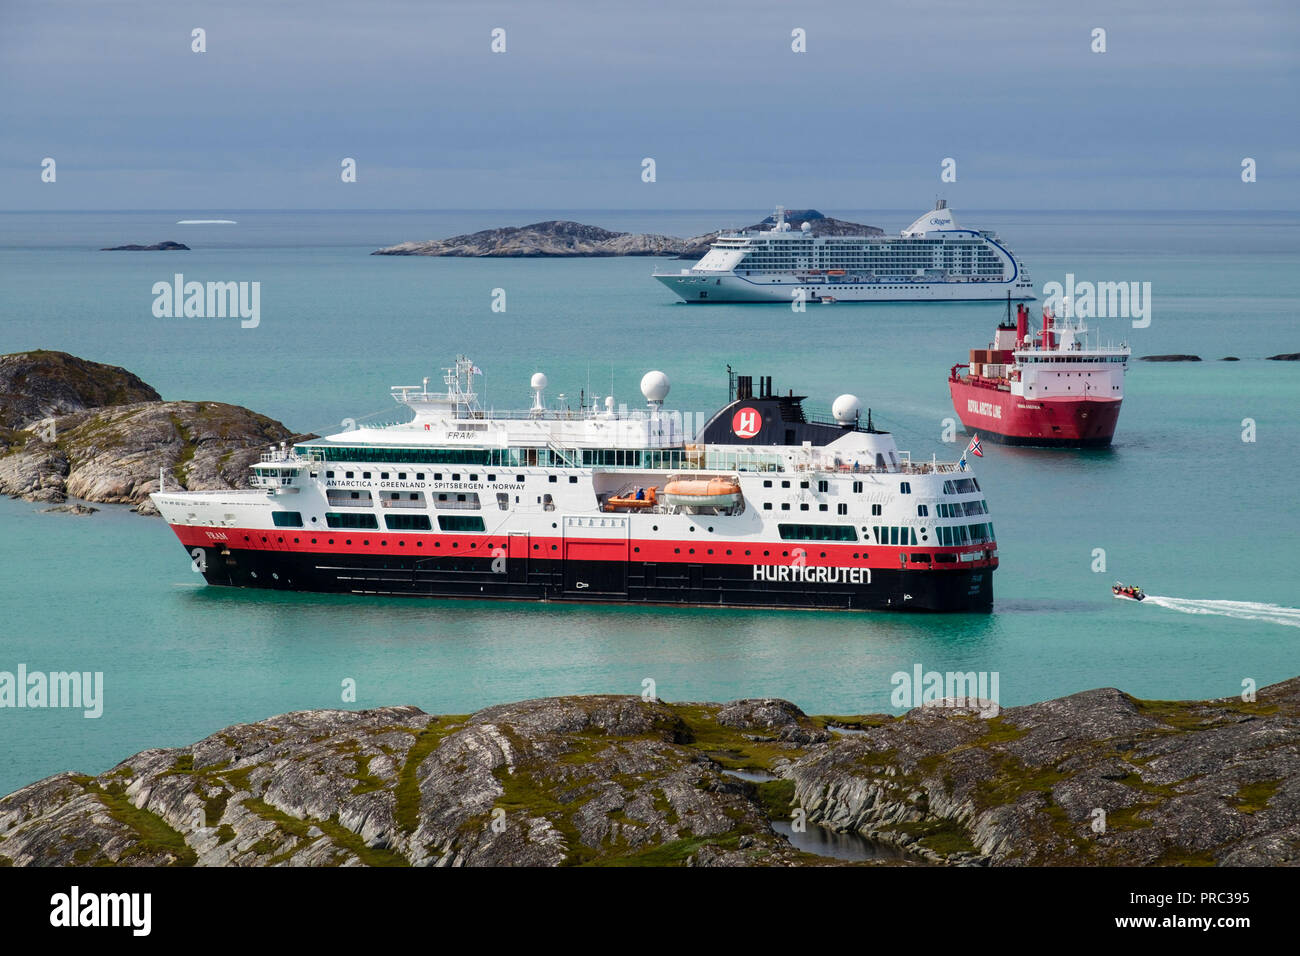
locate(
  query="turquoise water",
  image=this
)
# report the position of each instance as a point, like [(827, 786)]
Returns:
[(1180, 504)]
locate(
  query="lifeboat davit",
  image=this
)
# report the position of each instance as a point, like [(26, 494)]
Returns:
[(702, 492)]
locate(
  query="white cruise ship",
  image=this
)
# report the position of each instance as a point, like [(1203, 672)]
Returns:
[(932, 260), (767, 507)]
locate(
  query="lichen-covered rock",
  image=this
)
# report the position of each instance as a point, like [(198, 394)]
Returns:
[(105, 436), (778, 718), (620, 780), (538, 783), (43, 384), (1094, 778)]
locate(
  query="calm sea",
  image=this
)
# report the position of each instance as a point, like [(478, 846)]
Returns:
[(1207, 523)]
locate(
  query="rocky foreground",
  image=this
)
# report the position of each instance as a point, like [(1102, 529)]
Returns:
[(563, 238), (74, 428), (619, 781)]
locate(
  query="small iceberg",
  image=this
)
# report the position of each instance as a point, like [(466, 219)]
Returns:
[(205, 222)]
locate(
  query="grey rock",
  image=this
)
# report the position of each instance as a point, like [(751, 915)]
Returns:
[(156, 247), (42, 384), (613, 779), (98, 433), (563, 238)]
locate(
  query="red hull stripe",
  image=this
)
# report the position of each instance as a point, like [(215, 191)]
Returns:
[(352, 541)]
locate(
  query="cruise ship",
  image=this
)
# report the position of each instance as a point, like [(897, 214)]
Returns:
[(768, 506), (932, 260)]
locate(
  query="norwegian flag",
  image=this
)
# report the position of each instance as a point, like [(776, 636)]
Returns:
[(974, 447)]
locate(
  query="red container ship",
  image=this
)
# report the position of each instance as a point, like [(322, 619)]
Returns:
[(1049, 388)]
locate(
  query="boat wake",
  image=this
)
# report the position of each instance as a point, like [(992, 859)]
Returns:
[(1242, 610)]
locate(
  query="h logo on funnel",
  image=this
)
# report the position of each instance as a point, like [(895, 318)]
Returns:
[(746, 423)]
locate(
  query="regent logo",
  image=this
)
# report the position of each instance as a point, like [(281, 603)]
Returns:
[(746, 423)]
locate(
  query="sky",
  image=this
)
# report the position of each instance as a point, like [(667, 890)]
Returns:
[(711, 90)]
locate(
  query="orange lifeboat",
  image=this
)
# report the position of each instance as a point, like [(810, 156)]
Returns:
[(702, 492), (642, 498)]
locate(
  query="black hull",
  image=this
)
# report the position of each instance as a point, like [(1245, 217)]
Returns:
[(704, 585)]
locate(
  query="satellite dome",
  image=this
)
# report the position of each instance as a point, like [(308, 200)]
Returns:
[(654, 386), (846, 409), (806, 227), (539, 380)]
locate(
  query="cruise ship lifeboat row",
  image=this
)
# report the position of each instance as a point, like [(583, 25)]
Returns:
[(715, 492)]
